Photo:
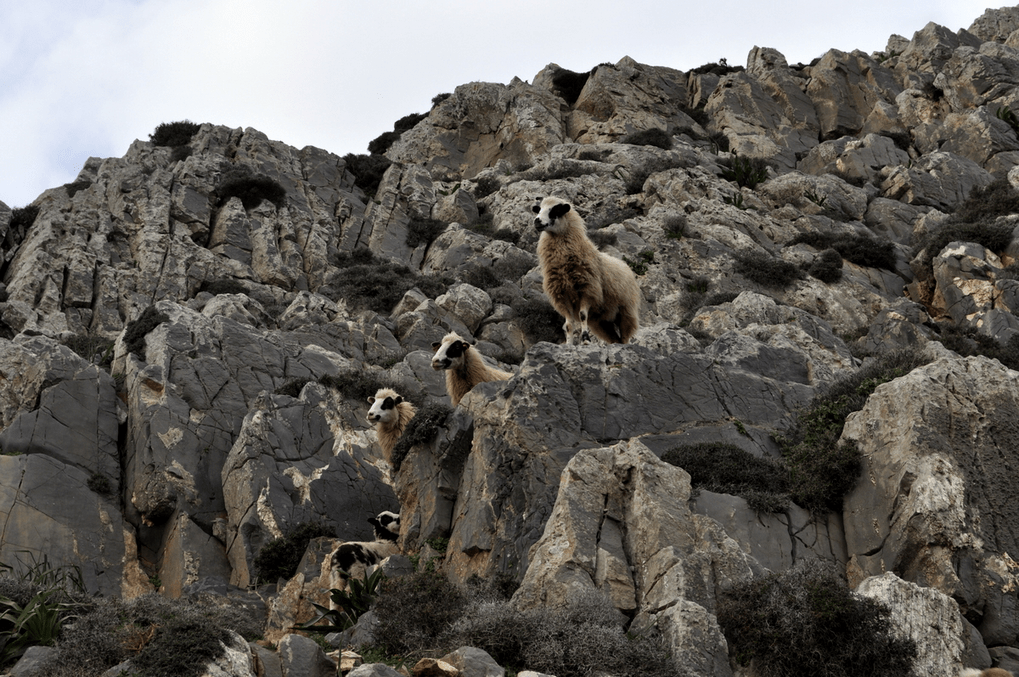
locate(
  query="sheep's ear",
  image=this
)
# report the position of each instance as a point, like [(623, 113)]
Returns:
[(398, 400), (371, 400), (464, 345), (559, 210), (536, 209), (435, 346)]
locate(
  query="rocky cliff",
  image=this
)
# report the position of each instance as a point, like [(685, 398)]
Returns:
[(183, 366)]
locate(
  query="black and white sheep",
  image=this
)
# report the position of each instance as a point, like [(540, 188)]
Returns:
[(357, 559), (464, 367), (390, 414), (591, 290)]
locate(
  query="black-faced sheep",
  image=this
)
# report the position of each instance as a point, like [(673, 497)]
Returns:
[(357, 559), (591, 290), (464, 367), (390, 413)]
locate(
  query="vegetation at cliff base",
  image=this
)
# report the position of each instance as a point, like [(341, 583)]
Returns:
[(806, 621), (280, 557)]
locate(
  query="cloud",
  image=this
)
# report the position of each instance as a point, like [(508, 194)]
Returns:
[(87, 78)]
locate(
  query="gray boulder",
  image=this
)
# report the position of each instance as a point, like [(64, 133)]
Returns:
[(931, 445)]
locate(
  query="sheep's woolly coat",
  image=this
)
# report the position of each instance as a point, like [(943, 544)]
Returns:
[(464, 367), (390, 413), (357, 559), (590, 289)]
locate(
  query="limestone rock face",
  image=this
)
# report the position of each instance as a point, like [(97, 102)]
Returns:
[(481, 123), (934, 474), (621, 525), (184, 373), (563, 400), (928, 617)]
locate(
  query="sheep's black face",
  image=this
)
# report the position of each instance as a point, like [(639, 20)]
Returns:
[(447, 355), (547, 214), (387, 525), (383, 409)]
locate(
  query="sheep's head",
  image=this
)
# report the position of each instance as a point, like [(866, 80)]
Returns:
[(383, 409), (387, 525), (549, 214), (450, 352)]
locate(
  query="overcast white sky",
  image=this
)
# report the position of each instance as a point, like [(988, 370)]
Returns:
[(82, 78)]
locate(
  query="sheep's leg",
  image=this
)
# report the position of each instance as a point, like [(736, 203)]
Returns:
[(585, 334), (568, 330)]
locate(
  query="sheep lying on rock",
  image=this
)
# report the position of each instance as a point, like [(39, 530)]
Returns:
[(390, 413), (591, 290), (358, 559), (464, 367)]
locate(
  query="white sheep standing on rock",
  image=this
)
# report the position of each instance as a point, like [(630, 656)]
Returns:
[(591, 290), (390, 413), (358, 559), (464, 367)]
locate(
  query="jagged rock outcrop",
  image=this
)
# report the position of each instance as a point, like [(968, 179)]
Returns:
[(935, 502), (168, 451)]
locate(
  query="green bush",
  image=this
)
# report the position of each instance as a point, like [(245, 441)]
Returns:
[(539, 320), (421, 430), (806, 621), (485, 186), (415, 611), (827, 266), (367, 171), (822, 470), (136, 330), (22, 218), (160, 636), (859, 249), (180, 153), (765, 269), (100, 483), (719, 68), (382, 142), (173, 134), (75, 187), (993, 236), (649, 137), (746, 172), (280, 557), (378, 286), (250, 188), (424, 231), (640, 264), (408, 122), (355, 384), (997, 198), (349, 604), (362, 256), (968, 342), (223, 285), (727, 469), (35, 604), (439, 98), (674, 226), (91, 348), (569, 84), (583, 638)]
